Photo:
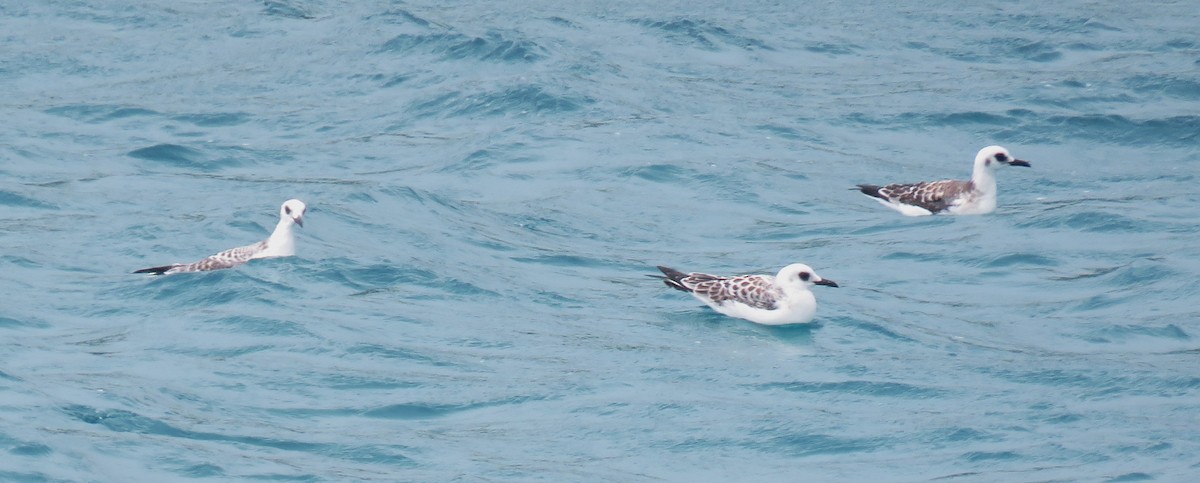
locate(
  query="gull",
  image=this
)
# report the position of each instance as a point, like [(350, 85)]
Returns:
[(951, 196), (282, 243), (763, 299)]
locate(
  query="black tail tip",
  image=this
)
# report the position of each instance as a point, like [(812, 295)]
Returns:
[(155, 270), (671, 272), (673, 278), (869, 190)]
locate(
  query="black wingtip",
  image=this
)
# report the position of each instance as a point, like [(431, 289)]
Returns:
[(673, 278), (155, 270), (671, 272), (870, 190)]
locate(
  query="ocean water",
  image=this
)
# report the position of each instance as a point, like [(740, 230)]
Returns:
[(489, 183)]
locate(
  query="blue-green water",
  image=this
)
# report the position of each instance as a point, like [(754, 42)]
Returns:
[(488, 185)]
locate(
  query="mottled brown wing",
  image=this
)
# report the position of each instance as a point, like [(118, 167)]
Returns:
[(934, 196), (757, 291), (227, 259)]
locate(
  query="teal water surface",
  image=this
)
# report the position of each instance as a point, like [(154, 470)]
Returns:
[(489, 185)]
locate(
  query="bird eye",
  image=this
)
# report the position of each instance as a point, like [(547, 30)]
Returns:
[(1001, 157), (805, 276), (287, 209)]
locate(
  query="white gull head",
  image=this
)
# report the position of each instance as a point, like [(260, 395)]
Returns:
[(282, 242), (981, 198), (992, 156), (800, 276), (292, 209)]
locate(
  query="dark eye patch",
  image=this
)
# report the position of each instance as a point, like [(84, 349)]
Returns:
[(287, 209), (805, 276), (1001, 157)]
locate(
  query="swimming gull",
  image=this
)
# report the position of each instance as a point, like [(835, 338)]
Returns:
[(763, 299), (282, 243), (951, 196)]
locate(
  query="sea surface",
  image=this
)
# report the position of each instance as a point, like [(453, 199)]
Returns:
[(489, 185)]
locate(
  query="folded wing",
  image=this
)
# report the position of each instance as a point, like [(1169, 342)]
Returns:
[(934, 196), (227, 259), (755, 291)]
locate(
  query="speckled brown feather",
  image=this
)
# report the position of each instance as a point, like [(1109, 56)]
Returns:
[(935, 196), (227, 259), (758, 291)]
